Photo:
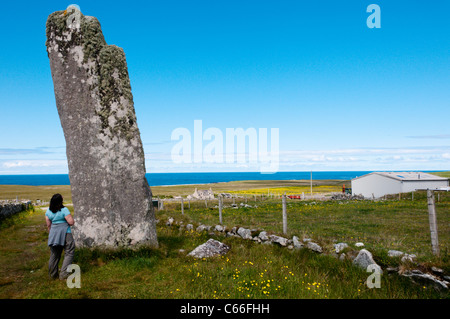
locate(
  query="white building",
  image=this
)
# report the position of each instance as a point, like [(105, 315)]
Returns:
[(378, 184), (202, 194)]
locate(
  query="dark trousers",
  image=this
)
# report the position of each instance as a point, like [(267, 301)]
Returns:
[(55, 257)]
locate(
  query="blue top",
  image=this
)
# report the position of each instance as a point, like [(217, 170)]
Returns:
[(58, 217)]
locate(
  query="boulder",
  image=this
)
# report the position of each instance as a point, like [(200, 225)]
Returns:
[(245, 233), (364, 259), (263, 236), (426, 279), (314, 247), (200, 228), (408, 258), (219, 228), (340, 247), (278, 240), (395, 253), (297, 243), (209, 249), (170, 221)]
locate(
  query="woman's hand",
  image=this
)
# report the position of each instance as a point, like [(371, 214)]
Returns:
[(48, 222)]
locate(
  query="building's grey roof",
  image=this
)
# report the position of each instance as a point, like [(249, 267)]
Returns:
[(408, 176)]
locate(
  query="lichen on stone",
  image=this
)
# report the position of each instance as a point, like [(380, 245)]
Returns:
[(105, 64)]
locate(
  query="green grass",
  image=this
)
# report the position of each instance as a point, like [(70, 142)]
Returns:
[(442, 174), (249, 270)]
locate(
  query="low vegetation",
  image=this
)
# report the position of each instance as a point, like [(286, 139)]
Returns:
[(249, 270)]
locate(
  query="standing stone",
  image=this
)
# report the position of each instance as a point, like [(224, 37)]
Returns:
[(111, 197)]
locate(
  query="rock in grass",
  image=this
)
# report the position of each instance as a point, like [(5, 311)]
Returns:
[(408, 258), (170, 221), (314, 247), (395, 253), (263, 236), (209, 249), (340, 247), (297, 243), (200, 228), (219, 228), (426, 279), (364, 259), (278, 240), (245, 233), (359, 244)]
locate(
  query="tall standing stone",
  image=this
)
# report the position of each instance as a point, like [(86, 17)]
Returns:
[(111, 197)]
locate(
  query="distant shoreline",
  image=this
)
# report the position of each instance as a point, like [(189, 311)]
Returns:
[(171, 179)]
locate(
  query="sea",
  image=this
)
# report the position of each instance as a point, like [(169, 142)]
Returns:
[(168, 179)]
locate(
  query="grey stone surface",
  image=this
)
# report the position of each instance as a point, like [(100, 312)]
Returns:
[(340, 247), (314, 247), (408, 258), (263, 236), (278, 240), (427, 279), (245, 233), (9, 208), (395, 253), (170, 221), (111, 197), (364, 259), (297, 243), (200, 228), (211, 248)]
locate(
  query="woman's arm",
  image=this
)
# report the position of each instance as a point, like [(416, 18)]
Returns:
[(69, 220), (49, 223)]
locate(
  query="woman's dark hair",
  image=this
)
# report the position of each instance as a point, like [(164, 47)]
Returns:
[(56, 203)]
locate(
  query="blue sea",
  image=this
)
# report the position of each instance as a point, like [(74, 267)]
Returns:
[(159, 179)]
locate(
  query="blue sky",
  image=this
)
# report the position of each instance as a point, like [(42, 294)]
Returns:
[(344, 97)]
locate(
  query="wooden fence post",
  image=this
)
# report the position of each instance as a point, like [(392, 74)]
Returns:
[(284, 215), (220, 209), (182, 206), (433, 224)]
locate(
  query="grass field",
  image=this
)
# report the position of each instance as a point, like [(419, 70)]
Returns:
[(249, 270)]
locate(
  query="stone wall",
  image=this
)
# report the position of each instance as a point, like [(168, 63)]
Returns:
[(9, 208)]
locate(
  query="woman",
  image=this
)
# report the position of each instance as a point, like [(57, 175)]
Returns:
[(59, 220)]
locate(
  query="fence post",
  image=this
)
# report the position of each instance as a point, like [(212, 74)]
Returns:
[(433, 224), (182, 206), (189, 203), (284, 214), (206, 203), (220, 209)]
